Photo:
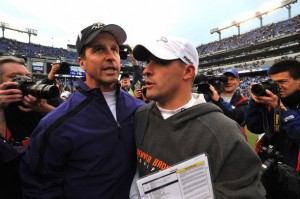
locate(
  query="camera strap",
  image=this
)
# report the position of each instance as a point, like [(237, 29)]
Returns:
[(277, 117), (265, 121)]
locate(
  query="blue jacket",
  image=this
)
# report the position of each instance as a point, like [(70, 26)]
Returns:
[(235, 109), (79, 150), (287, 142)]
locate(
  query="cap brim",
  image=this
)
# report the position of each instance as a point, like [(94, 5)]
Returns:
[(141, 52), (230, 73), (124, 76), (115, 30)]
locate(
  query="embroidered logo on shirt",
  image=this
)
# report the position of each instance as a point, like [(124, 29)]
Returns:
[(288, 118)]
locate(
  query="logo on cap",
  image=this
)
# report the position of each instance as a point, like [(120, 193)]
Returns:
[(97, 25), (187, 59), (163, 39)]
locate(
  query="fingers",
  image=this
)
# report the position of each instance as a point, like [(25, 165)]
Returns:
[(271, 94), (138, 93), (30, 101), (9, 94), (25, 109), (270, 99), (8, 85)]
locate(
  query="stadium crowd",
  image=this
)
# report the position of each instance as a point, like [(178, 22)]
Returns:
[(267, 32)]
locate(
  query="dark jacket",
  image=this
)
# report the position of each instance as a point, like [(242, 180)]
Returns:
[(236, 108), (287, 142), (10, 157), (79, 150), (20, 126)]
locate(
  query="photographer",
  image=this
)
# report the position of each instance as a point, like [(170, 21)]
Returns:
[(19, 115), (232, 103), (57, 67), (278, 116), (126, 52)]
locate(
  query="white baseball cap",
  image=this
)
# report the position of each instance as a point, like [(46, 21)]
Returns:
[(168, 48)]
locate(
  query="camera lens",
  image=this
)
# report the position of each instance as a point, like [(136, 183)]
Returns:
[(43, 91), (257, 90)]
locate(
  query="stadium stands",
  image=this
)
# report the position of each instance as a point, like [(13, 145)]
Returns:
[(256, 49), (251, 53)]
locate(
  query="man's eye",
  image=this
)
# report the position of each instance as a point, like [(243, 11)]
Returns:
[(99, 49), (115, 50)]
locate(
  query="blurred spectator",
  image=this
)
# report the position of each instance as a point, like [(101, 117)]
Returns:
[(65, 94), (230, 100), (19, 115), (126, 84), (125, 81), (140, 92)]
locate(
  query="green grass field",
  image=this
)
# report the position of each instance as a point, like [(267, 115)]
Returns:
[(252, 138)]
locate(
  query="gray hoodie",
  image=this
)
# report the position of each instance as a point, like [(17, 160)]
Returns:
[(201, 128)]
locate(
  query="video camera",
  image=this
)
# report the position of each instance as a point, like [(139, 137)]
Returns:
[(203, 81), (125, 50), (260, 89), (286, 176), (270, 157), (64, 67), (40, 91)]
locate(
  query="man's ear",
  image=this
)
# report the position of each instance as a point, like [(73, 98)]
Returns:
[(81, 63), (189, 72)]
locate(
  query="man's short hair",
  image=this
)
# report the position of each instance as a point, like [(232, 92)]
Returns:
[(13, 59), (9, 59), (291, 65)]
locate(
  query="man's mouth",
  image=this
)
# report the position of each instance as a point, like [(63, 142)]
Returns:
[(149, 84), (110, 68)]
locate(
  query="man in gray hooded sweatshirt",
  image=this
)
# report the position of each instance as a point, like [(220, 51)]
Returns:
[(179, 125)]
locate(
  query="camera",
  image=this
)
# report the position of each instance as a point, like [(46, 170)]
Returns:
[(64, 67), (125, 50), (270, 157), (203, 81), (285, 175), (40, 91), (260, 89)]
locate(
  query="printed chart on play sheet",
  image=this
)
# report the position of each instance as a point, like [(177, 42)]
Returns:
[(189, 179)]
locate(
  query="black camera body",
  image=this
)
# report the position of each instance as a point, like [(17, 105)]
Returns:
[(260, 89), (40, 91), (285, 175), (125, 50), (64, 67), (270, 157), (203, 81)]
